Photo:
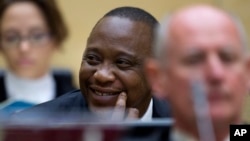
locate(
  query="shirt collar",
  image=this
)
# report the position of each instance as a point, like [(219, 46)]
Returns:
[(149, 113)]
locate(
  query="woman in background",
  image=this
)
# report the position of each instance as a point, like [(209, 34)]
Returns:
[(30, 32)]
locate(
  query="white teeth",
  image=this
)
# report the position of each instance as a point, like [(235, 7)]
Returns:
[(103, 94)]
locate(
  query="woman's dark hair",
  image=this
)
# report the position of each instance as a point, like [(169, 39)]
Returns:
[(51, 13)]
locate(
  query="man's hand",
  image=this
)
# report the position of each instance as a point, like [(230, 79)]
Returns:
[(120, 112)]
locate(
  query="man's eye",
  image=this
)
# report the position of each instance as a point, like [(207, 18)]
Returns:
[(92, 59), (123, 63), (228, 58), (193, 60)]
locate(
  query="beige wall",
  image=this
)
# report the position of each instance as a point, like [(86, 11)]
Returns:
[(81, 16)]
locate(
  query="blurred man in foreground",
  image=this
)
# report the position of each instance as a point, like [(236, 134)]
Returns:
[(201, 54)]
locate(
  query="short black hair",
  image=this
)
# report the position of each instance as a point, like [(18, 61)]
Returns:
[(137, 15), (134, 14)]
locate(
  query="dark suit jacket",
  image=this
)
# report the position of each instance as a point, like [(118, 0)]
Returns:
[(63, 82), (72, 106)]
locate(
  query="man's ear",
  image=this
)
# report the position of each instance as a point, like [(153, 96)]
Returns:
[(156, 78), (248, 71)]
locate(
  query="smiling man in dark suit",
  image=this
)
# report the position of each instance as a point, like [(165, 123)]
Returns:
[(112, 72)]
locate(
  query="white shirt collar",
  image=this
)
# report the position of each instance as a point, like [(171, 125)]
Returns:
[(178, 135), (149, 113), (33, 91)]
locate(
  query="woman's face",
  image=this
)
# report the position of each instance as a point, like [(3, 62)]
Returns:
[(26, 42)]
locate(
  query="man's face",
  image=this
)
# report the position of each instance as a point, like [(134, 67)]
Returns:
[(113, 63), (212, 52)]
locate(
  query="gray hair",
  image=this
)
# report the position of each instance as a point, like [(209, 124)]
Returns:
[(241, 30), (162, 36)]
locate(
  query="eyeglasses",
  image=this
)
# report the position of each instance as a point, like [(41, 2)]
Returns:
[(35, 39)]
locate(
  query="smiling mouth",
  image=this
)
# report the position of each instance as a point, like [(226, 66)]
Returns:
[(104, 92)]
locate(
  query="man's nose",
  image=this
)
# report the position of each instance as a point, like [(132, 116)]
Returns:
[(104, 74), (215, 69)]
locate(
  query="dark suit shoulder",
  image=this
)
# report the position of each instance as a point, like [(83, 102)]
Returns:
[(161, 108), (72, 99), (69, 104)]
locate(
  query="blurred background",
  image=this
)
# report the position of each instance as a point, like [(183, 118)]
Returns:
[(81, 16)]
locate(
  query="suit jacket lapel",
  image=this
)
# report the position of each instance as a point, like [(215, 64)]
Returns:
[(161, 109)]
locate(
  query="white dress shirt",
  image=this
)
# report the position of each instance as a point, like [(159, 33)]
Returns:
[(149, 113)]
